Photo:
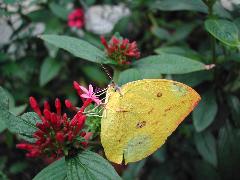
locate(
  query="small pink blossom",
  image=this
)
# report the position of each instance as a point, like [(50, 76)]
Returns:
[(89, 94)]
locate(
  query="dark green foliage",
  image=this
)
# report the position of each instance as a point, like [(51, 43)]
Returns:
[(184, 35), (56, 170), (88, 165)]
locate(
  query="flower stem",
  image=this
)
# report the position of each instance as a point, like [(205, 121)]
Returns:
[(153, 20), (213, 40), (213, 47), (116, 73)]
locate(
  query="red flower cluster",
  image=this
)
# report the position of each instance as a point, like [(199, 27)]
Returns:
[(57, 134), (121, 50), (76, 18)]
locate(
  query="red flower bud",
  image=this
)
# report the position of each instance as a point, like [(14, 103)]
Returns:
[(34, 105), (70, 136), (47, 114), (83, 134), (104, 42), (68, 104), (53, 119), (115, 41), (84, 144), (121, 50), (78, 118), (46, 105), (33, 153), (41, 127), (124, 43), (22, 146), (85, 104), (56, 129), (33, 102), (58, 106), (46, 124), (60, 137), (38, 134), (76, 86), (59, 152)]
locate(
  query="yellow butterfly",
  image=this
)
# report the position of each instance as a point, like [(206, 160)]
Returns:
[(137, 120)]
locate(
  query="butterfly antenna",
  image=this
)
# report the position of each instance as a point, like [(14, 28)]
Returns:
[(107, 72), (117, 88)]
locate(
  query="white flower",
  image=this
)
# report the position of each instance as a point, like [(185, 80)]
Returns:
[(5, 32), (102, 19), (229, 4)]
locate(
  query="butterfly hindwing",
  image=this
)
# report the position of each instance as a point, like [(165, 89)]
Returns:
[(137, 121)]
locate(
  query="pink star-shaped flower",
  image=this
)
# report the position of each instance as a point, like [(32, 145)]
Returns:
[(89, 94)]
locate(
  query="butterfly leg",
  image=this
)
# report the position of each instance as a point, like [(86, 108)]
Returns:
[(103, 91), (93, 114), (118, 89)]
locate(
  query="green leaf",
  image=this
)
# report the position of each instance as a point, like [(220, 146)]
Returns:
[(206, 146), (237, 22), (59, 10), (4, 57), (132, 171), (205, 112), (176, 5), (204, 170), (24, 125), (234, 105), (4, 101), (55, 171), (49, 70), (165, 171), (3, 162), (89, 165), (53, 25), (77, 47), (9, 1), (183, 51), (3, 176), (171, 50), (18, 167), (3, 119), (169, 64), (149, 73), (229, 152), (128, 76), (223, 30), (95, 74), (39, 15), (17, 110), (194, 78), (189, 5), (161, 33), (160, 154), (220, 11), (4, 106), (11, 100), (134, 74), (182, 32), (90, 2)]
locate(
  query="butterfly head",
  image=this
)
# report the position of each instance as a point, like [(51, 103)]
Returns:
[(114, 87)]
